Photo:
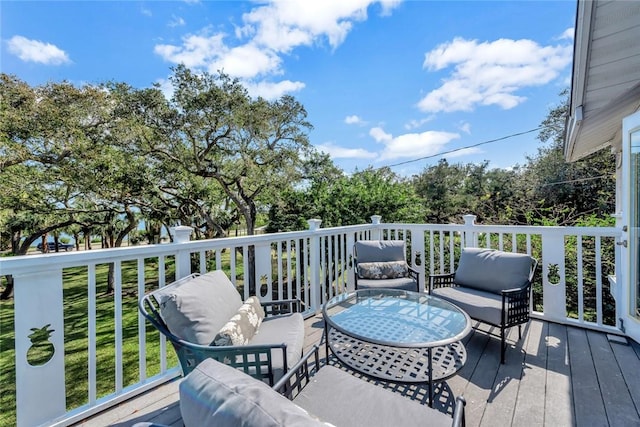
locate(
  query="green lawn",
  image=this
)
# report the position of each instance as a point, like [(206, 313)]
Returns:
[(76, 336)]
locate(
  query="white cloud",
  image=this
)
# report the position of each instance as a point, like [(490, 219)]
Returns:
[(337, 152), (491, 73), (269, 31), (197, 50), (466, 127), (176, 21), (246, 62), (414, 124), (37, 51), (568, 34), (353, 120), (165, 87), (412, 145), (270, 91), (380, 135), (284, 25)]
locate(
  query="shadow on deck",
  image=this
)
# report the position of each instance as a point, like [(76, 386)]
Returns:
[(555, 375)]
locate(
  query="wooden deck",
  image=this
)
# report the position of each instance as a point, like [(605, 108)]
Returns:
[(554, 376)]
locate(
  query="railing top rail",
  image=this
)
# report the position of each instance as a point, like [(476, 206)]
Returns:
[(17, 264), (520, 229)]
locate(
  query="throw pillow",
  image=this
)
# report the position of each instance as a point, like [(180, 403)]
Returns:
[(243, 325), (383, 270)]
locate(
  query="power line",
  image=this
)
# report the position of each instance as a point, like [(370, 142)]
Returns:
[(576, 180), (464, 148)]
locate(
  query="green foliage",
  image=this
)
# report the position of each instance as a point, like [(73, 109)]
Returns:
[(347, 200)]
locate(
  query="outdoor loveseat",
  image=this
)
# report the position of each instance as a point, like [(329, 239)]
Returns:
[(492, 286), (383, 264), (203, 316), (215, 395)]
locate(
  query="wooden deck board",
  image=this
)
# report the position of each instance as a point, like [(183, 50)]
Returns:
[(554, 376), (619, 407), (628, 361), (558, 400), (587, 398), (504, 393)]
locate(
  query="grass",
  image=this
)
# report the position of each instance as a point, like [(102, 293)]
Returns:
[(76, 305)]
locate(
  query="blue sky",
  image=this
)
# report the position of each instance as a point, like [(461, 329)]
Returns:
[(383, 82)]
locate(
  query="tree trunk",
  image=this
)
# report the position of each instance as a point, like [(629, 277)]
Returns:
[(8, 291)]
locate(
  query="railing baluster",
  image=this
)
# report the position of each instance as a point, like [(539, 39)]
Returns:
[(162, 280), (117, 290), (142, 342), (580, 278), (91, 320), (598, 281), (279, 263)]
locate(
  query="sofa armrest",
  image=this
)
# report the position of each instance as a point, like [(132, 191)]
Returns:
[(298, 376), (441, 280), (285, 306)]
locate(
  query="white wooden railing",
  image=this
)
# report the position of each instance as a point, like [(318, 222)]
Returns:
[(311, 265)]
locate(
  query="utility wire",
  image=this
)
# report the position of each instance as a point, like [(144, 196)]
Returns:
[(464, 148), (576, 180)]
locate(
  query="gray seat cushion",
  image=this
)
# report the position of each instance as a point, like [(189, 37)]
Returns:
[(217, 395), (341, 399), (406, 283), (197, 308), (479, 305), (380, 250), (288, 329), (492, 270)]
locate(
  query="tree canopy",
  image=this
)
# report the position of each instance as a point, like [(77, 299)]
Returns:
[(96, 160)]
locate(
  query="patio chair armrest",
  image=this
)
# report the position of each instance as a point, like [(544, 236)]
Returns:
[(298, 376), (441, 281), (285, 306), (516, 305), (515, 291), (254, 360), (458, 412)]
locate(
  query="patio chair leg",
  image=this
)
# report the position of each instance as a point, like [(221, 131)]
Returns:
[(519, 332), (503, 346)]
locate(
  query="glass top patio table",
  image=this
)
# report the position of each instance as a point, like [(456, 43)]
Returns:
[(397, 318)]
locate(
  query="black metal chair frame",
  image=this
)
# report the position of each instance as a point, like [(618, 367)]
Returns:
[(413, 273), (255, 360), (516, 304)]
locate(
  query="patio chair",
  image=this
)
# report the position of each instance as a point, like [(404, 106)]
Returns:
[(383, 264), (203, 316), (492, 286), (214, 395)]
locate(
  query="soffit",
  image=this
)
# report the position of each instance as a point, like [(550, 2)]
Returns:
[(606, 75)]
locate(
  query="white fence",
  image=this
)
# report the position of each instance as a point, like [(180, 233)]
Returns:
[(64, 295)]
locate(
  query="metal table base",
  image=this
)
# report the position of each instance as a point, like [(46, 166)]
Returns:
[(397, 364)]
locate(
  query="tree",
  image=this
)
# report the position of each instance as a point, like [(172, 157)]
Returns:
[(212, 129), (347, 200), (566, 191)]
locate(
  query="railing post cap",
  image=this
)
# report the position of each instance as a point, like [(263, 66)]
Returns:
[(375, 219), (469, 219), (314, 224), (181, 233)]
